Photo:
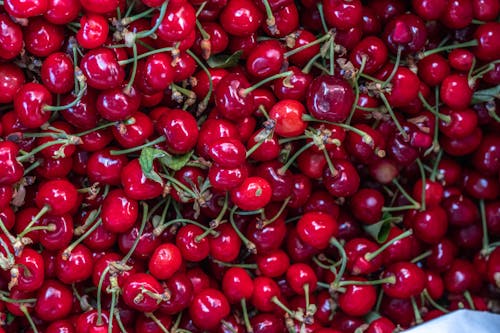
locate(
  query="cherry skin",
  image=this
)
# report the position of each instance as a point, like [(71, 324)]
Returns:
[(457, 14), (77, 267), (231, 100), (29, 104), (329, 98), (60, 238), (24, 9), (117, 104), (137, 289), (273, 264), (254, 193), (316, 229), (101, 69), (104, 168), (410, 280), (240, 18), (265, 59), (208, 308), (54, 301), (226, 246), (165, 261), (374, 50), (367, 205), (270, 237), (182, 291), (11, 170), (357, 300), (178, 23), (405, 87), (456, 92), (265, 289), (158, 71), (228, 152), (57, 73), (180, 130), (344, 182), (237, 285), (299, 275), (11, 80), (43, 38), (93, 31), (62, 11), (30, 265), (429, 9), (119, 212), (191, 247), (342, 14), (59, 195), (288, 117), (11, 38), (407, 32), (136, 185), (459, 277), (356, 250)]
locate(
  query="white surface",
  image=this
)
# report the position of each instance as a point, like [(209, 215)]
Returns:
[(461, 321)]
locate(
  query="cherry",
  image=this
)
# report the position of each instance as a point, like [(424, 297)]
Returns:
[(240, 18), (59, 233), (456, 92), (367, 205), (265, 290), (61, 326), (357, 300), (178, 23), (329, 98), (180, 130), (230, 99), (299, 276), (75, 266), (459, 277), (268, 238), (254, 193), (143, 292), (410, 280), (54, 301), (11, 38), (11, 170), (11, 79), (158, 71), (429, 9), (343, 181), (43, 38), (316, 229), (62, 11), (486, 158), (237, 285), (100, 67), (357, 262), (288, 117), (461, 211), (136, 185), (273, 264), (118, 103), (83, 115), (28, 274), (104, 168), (208, 308), (93, 31), (457, 14), (342, 14), (59, 196), (493, 267), (119, 213), (265, 59), (192, 245), (226, 246), (165, 261), (24, 9), (181, 292), (485, 10)]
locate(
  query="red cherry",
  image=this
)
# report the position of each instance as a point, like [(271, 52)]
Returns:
[(191, 246), (142, 292), (100, 67), (409, 280), (43, 38), (178, 23), (54, 301), (62, 11), (100, 7), (29, 104), (11, 80), (357, 300), (30, 267), (237, 285), (208, 308), (180, 130), (265, 59), (299, 275), (93, 31), (316, 229), (254, 193), (60, 196), (136, 185), (11, 170), (342, 14), (226, 246), (119, 213), (75, 268), (456, 92), (165, 261), (240, 18), (31, 8)]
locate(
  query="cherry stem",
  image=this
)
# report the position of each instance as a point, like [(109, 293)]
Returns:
[(244, 309), (323, 38), (282, 306), (249, 245), (288, 164), (216, 222), (310, 64), (267, 222), (32, 167), (470, 43), (393, 116), (332, 56), (159, 229), (120, 323), (484, 225), (6, 231), (45, 209), (145, 208), (428, 297), (157, 322), (129, 121), (24, 310), (343, 257), (322, 16), (270, 21), (180, 186), (204, 103), (112, 312), (389, 279), (82, 85), (366, 137), (163, 11), (145, 55), (395, 68), (42, 147), (416, 311), (371, 255), (160, 139), (468, 298), (405, 194), (67, 252), (99, 293), (421, 256), (422, 175), (245, 92), (129, 19), (10, 257), (134, 71), (356, 90), (432, 110), (435, 167), (229, 264)]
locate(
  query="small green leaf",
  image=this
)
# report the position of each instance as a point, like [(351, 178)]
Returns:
[(486, 95), (175, 162), (380, 230), (146, 160), (224, 61)]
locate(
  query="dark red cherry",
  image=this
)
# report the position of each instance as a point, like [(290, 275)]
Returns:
[(23, 9), (30, 268), (43, 38), (208, 308), (54, 301), (343, 181), (142, 292), (240, 18), (266, 59), (342, 14), (76, 267), (410, 280), (330, 98), (456, 91), (100, 67), (100, 7), (119, 103), (231, 99), (104, 168), (406, 31), (457, 14), (180, 130), (136, 185), (62, 11)]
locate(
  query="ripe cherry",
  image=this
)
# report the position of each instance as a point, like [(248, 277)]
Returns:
[(240, 18), (316, 229), (143, 292), (192, 245), (254, 193), (60, 197), (75, 266), (180, 130), (93, 31), (357, 300), (54, 301), (100, 67), (136, 185), (165, 261), (410, 280), (237, 285), (208, 308)]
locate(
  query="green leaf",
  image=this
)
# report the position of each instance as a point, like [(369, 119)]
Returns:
[(176, 162), (486, 95), (224, 61), (146, 160), (380, 230)]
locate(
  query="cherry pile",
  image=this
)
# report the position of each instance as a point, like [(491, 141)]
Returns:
[(260, 166)]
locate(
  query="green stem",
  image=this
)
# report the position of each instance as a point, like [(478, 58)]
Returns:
[(249, 245), (433, 302), (138, 148), (371, 255), (343, 258), (308, 45), (145, 55), (151, 31), (422, 175), (82, 89), (139, 234), (246, 91), (393, 116), (40, 148), (394, 69), (470, 43), (484, 225), (134, 70)]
